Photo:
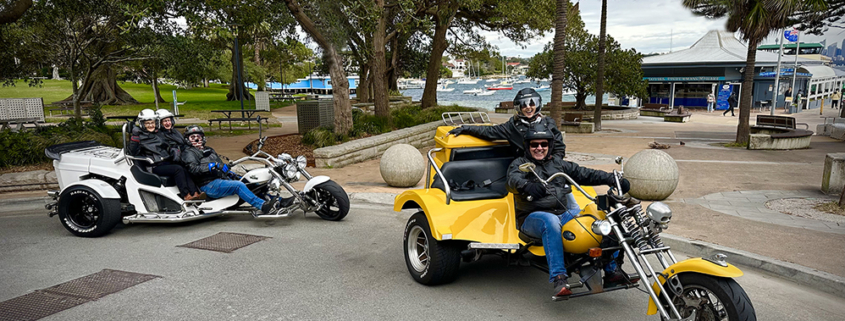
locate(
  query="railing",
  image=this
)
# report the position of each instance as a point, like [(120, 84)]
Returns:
[(475, 117)]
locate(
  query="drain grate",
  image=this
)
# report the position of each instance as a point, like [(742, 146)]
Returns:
[(45, 302), (225, 242)]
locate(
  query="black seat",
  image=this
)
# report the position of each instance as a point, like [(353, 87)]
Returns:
[(150, 179), (477, 171), (530, 239)]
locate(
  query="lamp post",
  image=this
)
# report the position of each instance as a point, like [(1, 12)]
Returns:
[(238, 64), (777, 78), (795, 67)]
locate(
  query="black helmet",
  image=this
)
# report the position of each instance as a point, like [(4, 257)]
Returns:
[(538, 132), (194, 129), (527, 97)]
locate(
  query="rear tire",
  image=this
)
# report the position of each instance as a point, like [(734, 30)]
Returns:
[(334, 199), (85, 213), (429, 261), (724, 299)]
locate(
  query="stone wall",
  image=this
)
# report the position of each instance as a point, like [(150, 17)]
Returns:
[(765, 141), (359, 150), (582, 128), (834, 173), (628, 113)]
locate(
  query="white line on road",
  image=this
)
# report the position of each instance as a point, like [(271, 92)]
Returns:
[(738, 162)]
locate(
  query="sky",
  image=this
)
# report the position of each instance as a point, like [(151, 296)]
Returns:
[(649, 26)]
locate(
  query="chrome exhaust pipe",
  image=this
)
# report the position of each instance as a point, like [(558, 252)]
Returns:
[(176, 218), (53, 194)]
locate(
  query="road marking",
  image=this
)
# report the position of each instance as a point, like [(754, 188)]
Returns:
[(738, 162)]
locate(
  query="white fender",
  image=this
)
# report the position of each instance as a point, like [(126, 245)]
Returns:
[(104, 189), (314, 181)]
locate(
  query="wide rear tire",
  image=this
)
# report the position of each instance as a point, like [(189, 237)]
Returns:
[(85, 213), (723, 299), (334, 199), (429, 261)]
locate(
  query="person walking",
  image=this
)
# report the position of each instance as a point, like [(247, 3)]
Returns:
[(731, 105), (835, 100), (711, 100)]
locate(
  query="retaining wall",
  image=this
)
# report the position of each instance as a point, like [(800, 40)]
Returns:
[(359, 150)]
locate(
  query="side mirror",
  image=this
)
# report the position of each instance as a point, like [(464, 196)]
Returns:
[(527, 167), (618, 160)]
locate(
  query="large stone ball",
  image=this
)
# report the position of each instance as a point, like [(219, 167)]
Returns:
[(402, 165), (653, 175)]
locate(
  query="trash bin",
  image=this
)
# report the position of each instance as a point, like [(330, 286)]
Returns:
[(791, 109), (311, 114)]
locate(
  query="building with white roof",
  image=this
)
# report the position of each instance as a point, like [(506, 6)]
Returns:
[(715, 63)]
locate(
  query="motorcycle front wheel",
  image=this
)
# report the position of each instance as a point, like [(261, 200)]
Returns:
[(713, 299), (334, 199)]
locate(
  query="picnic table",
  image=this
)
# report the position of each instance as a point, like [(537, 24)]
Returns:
[(131, 117), (247, 116), (280, 96), (67, 105)]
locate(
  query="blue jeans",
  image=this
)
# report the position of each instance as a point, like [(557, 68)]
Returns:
[(221, 187), (546, 226), (709, 107)]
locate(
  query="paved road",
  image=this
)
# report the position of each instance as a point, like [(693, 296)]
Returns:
[(315, 270)]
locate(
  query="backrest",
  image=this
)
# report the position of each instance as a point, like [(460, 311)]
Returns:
[(776, 121), (477, 171), (34, 108), (506, 104), (4, 111), (568, 117)]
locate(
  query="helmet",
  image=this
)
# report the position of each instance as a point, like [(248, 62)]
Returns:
[(145, 115), (538, 132), (164, 113), (527, 97), (194, 129)]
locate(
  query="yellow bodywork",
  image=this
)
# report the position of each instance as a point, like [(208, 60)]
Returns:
[(484, 221), (694, 265)]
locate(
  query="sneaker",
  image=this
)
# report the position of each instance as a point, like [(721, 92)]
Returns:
[(618, 277), (561, 285), (285, 202), (201, 196), (270, 207)]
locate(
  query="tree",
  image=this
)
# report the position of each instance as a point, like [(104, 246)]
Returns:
[(600, 69), (329, 39), (561, 20), (755, 20), (12, 10)]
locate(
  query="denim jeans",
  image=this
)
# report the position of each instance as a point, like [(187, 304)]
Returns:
[(221, 187), (572, 205), (710, 107), (546, 226)]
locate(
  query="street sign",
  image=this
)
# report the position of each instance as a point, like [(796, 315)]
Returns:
[(791, 35)]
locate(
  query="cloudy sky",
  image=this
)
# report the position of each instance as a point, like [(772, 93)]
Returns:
[(646, 25)]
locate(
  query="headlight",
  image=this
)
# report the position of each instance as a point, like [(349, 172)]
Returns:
[(601, 227), (659, 213), (290, 171), (301, 161), (275, 184)]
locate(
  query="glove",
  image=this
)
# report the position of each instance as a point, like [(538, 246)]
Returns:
[(212, 167), (457, 131), (177, 154), (535, 190), (626, 186), (225, 168)]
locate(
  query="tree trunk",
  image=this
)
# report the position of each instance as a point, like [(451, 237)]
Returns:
[(257, 58), (157, 90), (559, 60), (205, 82), (13, 10), (393, 70), (380, 66), (363, 91), (581, 99), (600, 69), (77, 111), (439, 44), (236, 85), (742, 129), (100, 87), (340, 85)]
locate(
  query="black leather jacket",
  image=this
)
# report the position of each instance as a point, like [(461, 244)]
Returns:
[(175, 142), (514, 130), (196, 161), (555, 202), (143, 143)]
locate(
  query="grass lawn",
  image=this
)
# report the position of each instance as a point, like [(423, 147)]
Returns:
[(199, 101)]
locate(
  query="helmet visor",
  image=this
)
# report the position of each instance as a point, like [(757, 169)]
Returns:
[(526, 102)]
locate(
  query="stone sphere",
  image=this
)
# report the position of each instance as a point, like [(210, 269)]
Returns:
[(653, 175), (402, 165)]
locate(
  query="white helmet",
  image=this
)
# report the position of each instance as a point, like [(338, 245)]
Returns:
[(164, 114), (145, 115)]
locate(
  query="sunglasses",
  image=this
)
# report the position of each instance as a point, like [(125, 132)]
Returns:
[(540, 144), (195, 138)]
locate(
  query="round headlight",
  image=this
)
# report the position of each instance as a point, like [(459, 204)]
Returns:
[(285, 157), (659, 212), (290, 171), (298, 175), (301, 161), (601, 227)]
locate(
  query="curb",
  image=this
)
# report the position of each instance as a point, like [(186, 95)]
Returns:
[(813, 278)]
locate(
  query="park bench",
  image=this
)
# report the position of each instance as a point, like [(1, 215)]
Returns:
[(67, 106), (655, 110), (778, 121), (778, 132), (15, 113), (677, 116), (571, 120), (505, 107)]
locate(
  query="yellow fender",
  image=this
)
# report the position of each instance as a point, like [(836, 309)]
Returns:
[(694, 265)]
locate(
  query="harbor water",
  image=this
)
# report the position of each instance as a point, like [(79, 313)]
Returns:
[(457, 97)]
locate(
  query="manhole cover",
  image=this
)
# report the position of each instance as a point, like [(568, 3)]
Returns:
[(225, 242), (45, 302)]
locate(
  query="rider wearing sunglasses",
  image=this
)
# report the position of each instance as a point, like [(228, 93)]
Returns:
[(528, 104), (543, 216)]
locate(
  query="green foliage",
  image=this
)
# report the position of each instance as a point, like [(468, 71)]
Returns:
[(27, 147), (445, 72)]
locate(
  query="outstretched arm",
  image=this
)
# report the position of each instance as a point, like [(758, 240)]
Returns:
[(498, 132)]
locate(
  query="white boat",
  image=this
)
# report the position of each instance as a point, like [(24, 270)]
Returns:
[(473, 91), (468, 81), (541, 88), (524, 81), (445, 88), (486, 93), (492, 80)]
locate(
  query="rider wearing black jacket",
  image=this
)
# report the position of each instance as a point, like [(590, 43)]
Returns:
[(172, 137), (545, 213), (528, 104), (145, 141)]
